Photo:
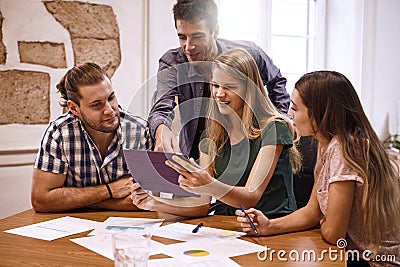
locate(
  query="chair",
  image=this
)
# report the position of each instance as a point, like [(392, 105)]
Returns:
[(216, 207), (303, 181)]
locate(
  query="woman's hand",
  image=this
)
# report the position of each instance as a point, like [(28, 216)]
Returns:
[(142, 199), (260, 221), (192, 177)]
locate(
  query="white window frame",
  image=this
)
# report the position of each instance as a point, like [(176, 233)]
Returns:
[(320, 34)]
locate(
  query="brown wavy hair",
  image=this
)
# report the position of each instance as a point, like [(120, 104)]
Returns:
[(333, 104), (81, 75)]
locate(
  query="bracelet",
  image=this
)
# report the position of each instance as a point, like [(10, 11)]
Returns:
[(109, 190)]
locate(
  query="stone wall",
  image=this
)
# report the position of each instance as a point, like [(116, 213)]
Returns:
[(42, 53), (3, 51), (94, 34), (25, 97)]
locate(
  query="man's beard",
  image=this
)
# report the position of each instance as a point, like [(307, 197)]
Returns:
[(98, 126)]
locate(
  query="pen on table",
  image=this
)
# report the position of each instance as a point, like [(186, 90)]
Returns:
[(196, 229), (249, 220)]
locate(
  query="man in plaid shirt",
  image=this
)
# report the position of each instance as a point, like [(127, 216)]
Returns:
[(80, 162)]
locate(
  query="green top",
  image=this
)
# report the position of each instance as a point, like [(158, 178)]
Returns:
[(234, 164)]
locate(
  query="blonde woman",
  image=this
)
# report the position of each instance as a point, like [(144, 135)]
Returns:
[(356, 193), (245, 150)]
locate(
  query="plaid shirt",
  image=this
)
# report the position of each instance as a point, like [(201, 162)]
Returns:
[(66, 148)]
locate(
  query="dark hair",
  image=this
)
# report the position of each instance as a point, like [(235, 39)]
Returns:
[(81, 75), (333, 104), (195, 10)]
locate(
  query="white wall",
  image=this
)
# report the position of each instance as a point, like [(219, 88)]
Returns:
[(162, 33), (28, 20), (343, 32), (15, 189), (386, 84), (362, 43), (159, 35)]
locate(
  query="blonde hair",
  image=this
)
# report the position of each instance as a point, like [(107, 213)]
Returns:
[(258, 110), (333, 104)]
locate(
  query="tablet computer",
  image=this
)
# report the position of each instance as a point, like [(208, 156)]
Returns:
[(148, 168)]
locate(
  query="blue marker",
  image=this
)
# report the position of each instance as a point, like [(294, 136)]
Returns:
[(249, 220), (195, 230)]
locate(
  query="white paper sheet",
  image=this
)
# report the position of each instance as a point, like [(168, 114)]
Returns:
[(102, 245), (171, 262), (205, 249), (117, 224), (54, 229), (183, 232)]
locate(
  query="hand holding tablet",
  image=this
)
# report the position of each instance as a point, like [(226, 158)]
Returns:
[(181, 163), (149, 169)]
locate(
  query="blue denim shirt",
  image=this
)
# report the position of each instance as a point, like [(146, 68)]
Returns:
[(177, 77)]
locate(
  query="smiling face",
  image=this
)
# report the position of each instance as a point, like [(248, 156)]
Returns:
[(228, 92), (98, 108), (299, 112), (196, 40)]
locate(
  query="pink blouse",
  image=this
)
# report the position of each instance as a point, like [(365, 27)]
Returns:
[(335, 169)]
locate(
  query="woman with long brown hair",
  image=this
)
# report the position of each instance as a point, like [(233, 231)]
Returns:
[(356, 192)]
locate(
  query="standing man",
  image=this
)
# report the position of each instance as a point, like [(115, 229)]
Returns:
[(80, 161), (183, 74)]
